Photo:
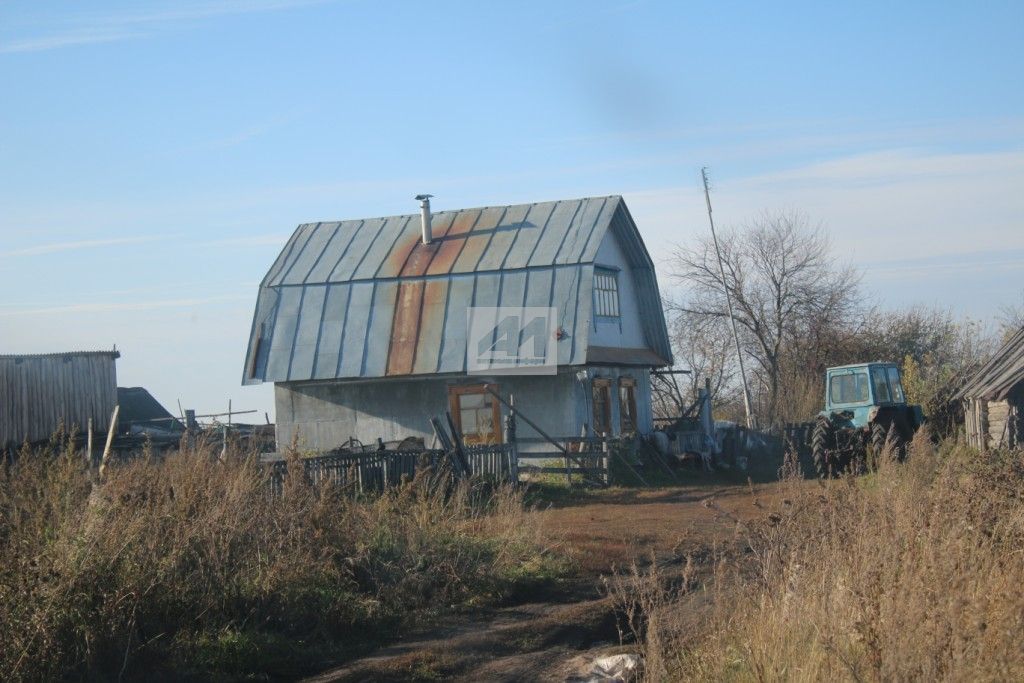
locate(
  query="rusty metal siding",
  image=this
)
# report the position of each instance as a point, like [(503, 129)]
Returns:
[(406, 329), (381, 247), (366, 298), (432, 319)]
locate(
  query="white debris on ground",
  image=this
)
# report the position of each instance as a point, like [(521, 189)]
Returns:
[(622, 668)]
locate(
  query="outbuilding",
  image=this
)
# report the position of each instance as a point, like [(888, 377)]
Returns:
[(39, 392), (993, 399), (370, 327)]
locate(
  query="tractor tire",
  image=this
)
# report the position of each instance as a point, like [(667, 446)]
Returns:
[(879, 435), (823, 447)]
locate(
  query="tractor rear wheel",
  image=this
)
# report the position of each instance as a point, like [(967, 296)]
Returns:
[(823, 447), (879, 435)]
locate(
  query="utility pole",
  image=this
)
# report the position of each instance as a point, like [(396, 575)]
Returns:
[(728, 303)]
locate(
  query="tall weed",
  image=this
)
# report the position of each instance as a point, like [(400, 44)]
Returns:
[(912, 572), (187, 563)]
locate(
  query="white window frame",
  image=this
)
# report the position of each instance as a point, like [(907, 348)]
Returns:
[(606, 293)]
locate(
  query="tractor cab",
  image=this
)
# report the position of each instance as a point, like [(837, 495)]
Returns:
[(855, 390), (865, 409)]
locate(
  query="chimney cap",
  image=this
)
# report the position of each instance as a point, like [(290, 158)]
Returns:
[(423, 197)]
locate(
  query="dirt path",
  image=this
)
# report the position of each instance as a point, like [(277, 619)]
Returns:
[(553, 639)]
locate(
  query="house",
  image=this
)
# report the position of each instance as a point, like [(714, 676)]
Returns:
[(993, 399), (364, 326), (41, 391)]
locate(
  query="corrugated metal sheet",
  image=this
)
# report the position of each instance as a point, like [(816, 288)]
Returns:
[(366, 298), (1000, 375), (608, 355), (38, 392)]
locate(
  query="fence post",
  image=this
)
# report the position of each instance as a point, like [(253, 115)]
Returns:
[(510, 439), (607, 475), (110, 439), (88, 447)]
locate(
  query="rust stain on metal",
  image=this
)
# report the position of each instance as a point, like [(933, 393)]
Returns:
[(396, 258), (423, 254), (428, 347), (453, 242), (405, 328)]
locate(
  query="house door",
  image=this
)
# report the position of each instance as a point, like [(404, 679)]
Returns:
[(476, 413)]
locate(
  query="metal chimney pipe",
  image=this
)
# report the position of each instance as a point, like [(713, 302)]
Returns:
[(424, 200)]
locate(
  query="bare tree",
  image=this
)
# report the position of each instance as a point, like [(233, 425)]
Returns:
[(787, 292), (697, 347), (1011, 317)]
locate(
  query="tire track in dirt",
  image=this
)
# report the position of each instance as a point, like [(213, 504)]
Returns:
[(551, 640)]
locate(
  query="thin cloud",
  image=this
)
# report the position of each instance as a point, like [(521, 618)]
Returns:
[(121, 306), (75, 246), (92, 29), (275, 239)]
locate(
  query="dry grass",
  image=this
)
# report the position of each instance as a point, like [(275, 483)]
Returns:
[(187, 565), (912, 573)]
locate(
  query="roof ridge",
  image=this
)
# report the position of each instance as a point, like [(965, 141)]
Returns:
[(415, 214), (62, 354)]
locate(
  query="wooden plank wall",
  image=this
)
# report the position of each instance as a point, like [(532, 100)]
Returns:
[(993, 424), (39, 392)]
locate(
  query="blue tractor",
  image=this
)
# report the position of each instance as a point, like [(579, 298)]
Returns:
[(865, 408)]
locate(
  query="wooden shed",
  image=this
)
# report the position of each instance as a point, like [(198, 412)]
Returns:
[(39, 392), (993, 399)]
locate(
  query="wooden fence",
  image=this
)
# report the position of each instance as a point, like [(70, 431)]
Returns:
[(586, 458), (377, 470)]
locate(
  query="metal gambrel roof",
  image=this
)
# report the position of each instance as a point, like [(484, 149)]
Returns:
[(996, 379), (366, 298)]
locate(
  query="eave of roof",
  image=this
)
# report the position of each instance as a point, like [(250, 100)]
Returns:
[(996, 379)]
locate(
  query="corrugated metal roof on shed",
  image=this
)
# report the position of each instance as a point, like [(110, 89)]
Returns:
[(366, 298)]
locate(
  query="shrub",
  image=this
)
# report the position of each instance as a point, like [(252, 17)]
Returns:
[(913, 572), (188, 563)]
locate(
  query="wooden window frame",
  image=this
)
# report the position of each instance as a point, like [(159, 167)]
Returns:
[(457, 390), (603, 384), (629, 385), (606, 299)]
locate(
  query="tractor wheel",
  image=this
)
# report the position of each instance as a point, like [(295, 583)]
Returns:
[(823, 446), (879, 434)]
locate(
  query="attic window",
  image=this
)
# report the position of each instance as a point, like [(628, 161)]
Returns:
[(606, 293)]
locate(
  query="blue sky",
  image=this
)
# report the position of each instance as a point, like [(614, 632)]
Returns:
[(155, 156)]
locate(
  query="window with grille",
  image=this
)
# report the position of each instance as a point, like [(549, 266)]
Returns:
[(606, 293)]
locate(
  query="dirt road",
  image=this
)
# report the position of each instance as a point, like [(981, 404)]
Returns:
[(553, 638)]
